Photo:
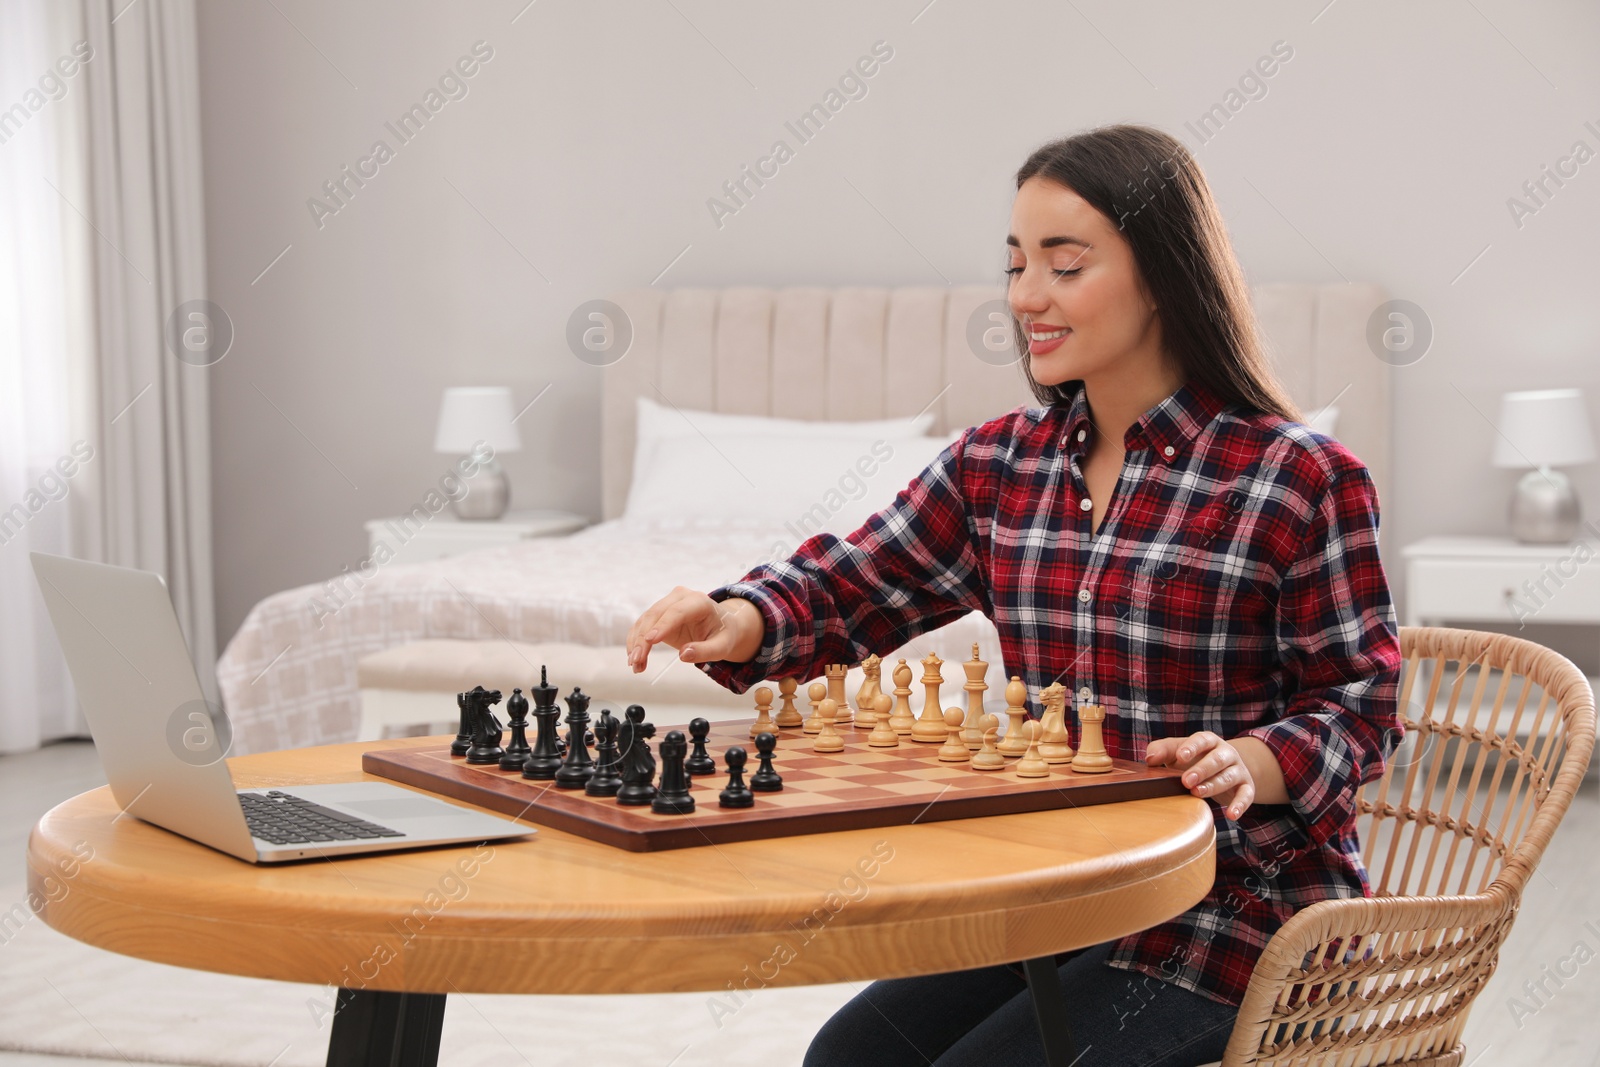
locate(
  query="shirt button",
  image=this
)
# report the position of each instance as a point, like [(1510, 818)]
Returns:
[(1082, 434), (1085, 504), (1086, 693), (1169, 451), (1083, 595)]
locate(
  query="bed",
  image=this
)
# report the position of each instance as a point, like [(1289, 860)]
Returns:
[(289, 676)]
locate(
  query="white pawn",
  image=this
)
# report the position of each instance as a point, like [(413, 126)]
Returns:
[(763, 723), (883, 735), (828, 738), (988, 758), (1032, 765), (954, 750)]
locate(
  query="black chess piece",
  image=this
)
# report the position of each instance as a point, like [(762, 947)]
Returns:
[(737, 794), (545, 759), (606, 780), (486, 729), (699, 761), (463, 740), (576, 767), (638, 765), (766, 780), (517, 751), (672, 797)]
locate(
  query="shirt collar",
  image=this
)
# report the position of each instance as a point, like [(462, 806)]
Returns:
[(1170, 425)]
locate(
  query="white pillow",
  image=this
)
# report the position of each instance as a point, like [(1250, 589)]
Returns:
[(802, 484), (1325, 420), (655, 422)]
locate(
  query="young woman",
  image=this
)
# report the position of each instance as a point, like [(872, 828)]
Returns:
[(1163, 537)]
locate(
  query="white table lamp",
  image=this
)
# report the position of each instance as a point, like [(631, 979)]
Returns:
[(467, 416), (1544, 429)]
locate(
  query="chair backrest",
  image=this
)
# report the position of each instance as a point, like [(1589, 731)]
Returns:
[(1499, 732)]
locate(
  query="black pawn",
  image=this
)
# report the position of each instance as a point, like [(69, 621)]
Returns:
[(463, 740), (607, 778), (766, 780), (517, 751), (672, 796), (486, 729), (737, 795), (577, 766), (699, 761)]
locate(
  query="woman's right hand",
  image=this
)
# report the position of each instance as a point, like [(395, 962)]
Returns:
[(701, 629)]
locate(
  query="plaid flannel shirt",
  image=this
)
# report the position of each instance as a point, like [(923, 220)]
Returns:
[(1234, 586)]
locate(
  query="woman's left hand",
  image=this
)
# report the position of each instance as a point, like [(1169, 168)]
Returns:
[(1212, 768)]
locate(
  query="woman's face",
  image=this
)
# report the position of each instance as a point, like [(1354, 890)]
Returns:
[(1071, 270)]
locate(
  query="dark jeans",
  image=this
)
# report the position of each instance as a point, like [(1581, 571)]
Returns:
[(985, 1017)]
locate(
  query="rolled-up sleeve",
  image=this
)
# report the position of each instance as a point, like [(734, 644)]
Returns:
[(1340, 648), (910, 568)]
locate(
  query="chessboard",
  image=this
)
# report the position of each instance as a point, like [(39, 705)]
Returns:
[(858, 788)]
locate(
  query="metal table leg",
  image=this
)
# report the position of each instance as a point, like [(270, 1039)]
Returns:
[(376, 1028), (1050, 1009)]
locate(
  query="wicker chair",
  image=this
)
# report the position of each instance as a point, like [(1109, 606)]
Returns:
[(1499, 733)]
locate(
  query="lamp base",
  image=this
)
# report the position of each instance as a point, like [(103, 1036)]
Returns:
[(487, 496), (1544, 508)]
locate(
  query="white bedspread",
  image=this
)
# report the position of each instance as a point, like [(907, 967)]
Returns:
[(288, 677)]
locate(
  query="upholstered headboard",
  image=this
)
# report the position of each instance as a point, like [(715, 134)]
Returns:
[(859, 353)]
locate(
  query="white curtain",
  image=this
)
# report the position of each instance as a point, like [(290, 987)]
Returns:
[(104, 439)]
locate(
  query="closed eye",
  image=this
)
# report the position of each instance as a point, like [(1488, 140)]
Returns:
[(1061, 273)]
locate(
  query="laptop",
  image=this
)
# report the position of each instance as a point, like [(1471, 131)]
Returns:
[(162, 745)]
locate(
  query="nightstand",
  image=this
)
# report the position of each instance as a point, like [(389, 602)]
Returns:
[(414, 540), (1496, 579)]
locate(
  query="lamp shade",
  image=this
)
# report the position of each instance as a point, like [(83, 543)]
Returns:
[(1543, 428), (471, 414)]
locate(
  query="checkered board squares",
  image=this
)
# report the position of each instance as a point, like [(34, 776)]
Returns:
[(858, 788)]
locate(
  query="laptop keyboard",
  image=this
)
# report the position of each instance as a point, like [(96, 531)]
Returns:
[(288, 820)]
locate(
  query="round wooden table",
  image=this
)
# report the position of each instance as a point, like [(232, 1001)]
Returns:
[(556, 913)]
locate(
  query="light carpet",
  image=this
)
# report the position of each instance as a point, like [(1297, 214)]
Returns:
[(68, 998)]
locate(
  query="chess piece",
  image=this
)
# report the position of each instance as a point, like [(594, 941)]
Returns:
[(788, 715), (988, 758), (606, 780), (545, 759), (867, 695), (672, 797), (1053, 744), (1092, 757), (463, 740), (486, 729), (517, 751), (976, 669), (828, 738), (835, 673), (954, 749), (1032, 765), (766, 780), (900, 719), (699, 761), (882, 735), (929, 727), (576, 767), (818, 693), (737, 794), (1015, 742), (638, 765), (763, 723)]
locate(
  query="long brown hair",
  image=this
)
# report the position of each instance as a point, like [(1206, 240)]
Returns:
[(1146, 182)]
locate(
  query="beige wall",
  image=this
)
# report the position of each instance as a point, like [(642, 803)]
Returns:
[(581, 159)]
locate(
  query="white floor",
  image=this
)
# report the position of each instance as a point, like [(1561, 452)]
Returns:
[(1563, 896)]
